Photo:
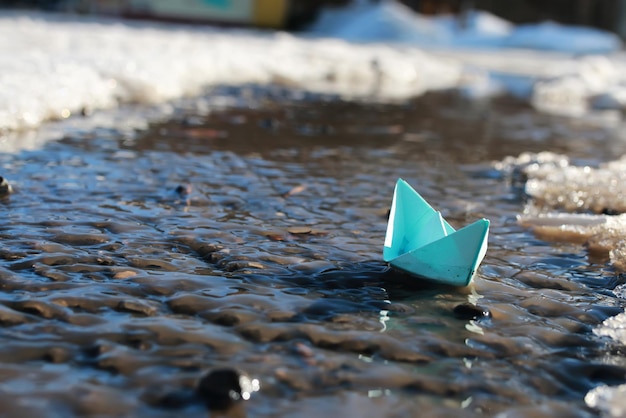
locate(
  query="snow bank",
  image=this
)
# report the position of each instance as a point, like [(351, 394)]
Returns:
[(52, 67), (560, 69), (390, 21), (387, 22)]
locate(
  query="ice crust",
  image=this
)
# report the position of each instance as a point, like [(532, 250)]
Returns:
[(611, 400), (580, 204)]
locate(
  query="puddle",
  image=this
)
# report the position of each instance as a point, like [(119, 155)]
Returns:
[(251, 238)]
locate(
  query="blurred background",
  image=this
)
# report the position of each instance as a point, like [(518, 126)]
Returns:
[(294, 14)]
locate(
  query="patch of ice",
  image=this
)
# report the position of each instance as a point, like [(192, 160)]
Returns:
[(620, 291), (579, 188), (610, 400), (529, 161), (392, 22), (614, 327), (556, 185), (602, 234)]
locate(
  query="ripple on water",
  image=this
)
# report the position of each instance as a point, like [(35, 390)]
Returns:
[(118, 293)]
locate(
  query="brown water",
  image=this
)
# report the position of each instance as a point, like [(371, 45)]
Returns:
[(251, 238)]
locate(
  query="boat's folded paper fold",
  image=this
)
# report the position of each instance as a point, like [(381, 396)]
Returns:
[(419, 241)]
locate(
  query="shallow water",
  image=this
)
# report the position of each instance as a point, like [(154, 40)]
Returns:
[(251, 237)]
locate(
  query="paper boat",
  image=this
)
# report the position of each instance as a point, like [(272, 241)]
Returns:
[(421, 243)]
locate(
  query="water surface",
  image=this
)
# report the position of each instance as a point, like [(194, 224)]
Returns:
[(134, 263)]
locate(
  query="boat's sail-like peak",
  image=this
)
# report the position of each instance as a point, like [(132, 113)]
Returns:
[(412, 222)]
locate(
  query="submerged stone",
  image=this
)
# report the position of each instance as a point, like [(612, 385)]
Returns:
[(5, 187), (470, 311), (222, 388)]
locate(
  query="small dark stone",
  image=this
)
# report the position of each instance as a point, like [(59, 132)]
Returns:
[(183, 190), (469, 311), (221, 388), (5, 187), (609, 211), (270, 124)]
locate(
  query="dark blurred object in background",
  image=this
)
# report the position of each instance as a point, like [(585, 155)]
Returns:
[(293, 14), (48, 5), (280, 14), (303, 12), (604, 14)]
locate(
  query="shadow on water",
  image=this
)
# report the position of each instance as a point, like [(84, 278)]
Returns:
[(250, 238)]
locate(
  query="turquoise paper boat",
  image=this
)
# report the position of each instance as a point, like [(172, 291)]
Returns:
[(421, 243)]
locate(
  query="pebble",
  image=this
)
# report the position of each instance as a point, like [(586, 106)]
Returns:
[(124, 274), (183, 190), (222, 388), (469, 311), (5, 187)]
